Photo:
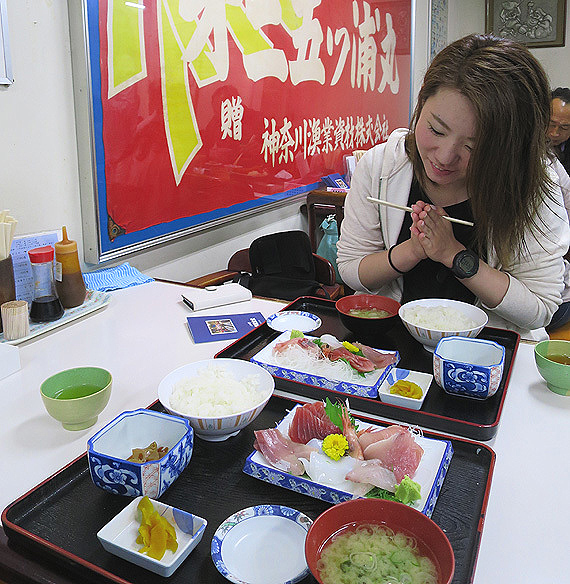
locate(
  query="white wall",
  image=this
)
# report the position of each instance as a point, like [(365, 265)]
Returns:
[(38, 158)]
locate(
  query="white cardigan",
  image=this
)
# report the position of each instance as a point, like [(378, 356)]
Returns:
[(385, 172)]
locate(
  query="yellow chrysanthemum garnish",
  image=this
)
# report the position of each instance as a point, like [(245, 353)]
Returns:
[(335, 446), (352, 348)]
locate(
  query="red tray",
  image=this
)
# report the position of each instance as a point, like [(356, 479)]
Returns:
[(477, 419)]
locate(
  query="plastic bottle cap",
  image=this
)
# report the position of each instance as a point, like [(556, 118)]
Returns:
[(40, 255), (65, 245)]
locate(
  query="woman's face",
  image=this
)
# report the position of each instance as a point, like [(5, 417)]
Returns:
[(445, 136)]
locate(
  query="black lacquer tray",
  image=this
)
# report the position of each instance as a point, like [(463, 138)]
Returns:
[(57, 521), (477, 419)]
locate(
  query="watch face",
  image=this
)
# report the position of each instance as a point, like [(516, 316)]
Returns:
[(465, 264)]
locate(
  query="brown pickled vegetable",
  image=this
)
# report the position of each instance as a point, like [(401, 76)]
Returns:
[(148, 454)]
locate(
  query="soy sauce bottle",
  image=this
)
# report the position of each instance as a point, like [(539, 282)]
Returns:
[(46, 305)]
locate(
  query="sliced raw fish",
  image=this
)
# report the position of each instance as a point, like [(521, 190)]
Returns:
[(311, 421), (280, 451), (379, 359), (398, 452), (359, 363), (371, 435), (303, 342), (373, 472)]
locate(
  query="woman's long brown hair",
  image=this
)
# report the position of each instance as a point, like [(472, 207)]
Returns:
[(507, 179)]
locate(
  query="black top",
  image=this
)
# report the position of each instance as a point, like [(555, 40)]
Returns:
[(429, 279), (563, 154)]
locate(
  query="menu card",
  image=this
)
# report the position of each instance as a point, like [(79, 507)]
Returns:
[(223, 327)]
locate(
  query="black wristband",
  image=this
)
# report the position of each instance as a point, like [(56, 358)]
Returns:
[(390, 261)]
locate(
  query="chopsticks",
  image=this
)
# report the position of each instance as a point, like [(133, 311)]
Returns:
[(409, 209), (7, 229)]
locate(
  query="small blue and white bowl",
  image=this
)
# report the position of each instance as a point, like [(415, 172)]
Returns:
[(108, 450), (262, 544), (468, 367)]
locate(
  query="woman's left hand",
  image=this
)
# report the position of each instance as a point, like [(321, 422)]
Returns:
[(434, 233)]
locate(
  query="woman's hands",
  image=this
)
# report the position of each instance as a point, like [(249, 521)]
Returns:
[(432, 235)]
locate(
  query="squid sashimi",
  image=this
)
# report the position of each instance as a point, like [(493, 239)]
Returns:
[(280, 451), (374, 473), (379, 359), (334, 473), (398, 452), (311, 421)]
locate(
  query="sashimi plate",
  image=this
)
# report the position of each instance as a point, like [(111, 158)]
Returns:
[(430, 473), (367, 387)]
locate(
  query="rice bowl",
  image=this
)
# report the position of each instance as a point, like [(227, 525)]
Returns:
[(209, 390), (454, 318)]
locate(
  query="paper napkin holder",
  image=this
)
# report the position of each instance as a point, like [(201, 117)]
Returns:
[(9, 360), (212, 296)]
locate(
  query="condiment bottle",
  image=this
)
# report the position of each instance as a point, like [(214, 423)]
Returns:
[(46, 305), (68, 277)]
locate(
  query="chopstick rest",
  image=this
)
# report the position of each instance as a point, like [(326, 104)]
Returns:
[(15, 320)]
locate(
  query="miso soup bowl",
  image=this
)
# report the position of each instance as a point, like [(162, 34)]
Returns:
[(400, 518), (468, 367), (92, 384), (556, 375)]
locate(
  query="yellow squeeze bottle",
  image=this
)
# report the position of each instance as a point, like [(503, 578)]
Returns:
[(68, 277)]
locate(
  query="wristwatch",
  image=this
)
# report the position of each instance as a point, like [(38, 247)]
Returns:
[(465, 264)]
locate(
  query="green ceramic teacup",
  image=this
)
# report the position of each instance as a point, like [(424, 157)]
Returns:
[(76, 397), (556, 375)]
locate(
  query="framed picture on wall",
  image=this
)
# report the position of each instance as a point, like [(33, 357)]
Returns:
[(535, 23)]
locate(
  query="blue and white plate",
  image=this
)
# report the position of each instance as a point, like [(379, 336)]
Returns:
[(298, 320), (249, 546), (366, 386), (430, 473)]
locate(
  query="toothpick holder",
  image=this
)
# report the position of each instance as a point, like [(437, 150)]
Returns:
[(15, 319)]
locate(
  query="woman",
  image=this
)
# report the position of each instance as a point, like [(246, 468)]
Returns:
[(476, 151)]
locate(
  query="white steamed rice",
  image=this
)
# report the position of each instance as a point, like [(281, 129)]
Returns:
[(441, 318), (215, 392)]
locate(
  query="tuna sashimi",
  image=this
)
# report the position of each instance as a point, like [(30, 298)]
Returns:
[(311, 421), (379, 359), (359, 363), (280, 451), (398, 452), (373, 472)]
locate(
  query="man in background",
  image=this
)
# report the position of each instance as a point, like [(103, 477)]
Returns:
[(559, 129)]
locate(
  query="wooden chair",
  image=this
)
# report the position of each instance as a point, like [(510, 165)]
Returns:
[(239, 262)]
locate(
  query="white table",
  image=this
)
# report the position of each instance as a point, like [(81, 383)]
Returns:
[(142, 335)]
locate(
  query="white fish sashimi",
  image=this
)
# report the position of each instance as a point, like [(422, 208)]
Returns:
[(373, 472), (332, 473)]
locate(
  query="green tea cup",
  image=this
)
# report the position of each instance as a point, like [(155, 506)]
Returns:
[(76, 397), (553, 362)]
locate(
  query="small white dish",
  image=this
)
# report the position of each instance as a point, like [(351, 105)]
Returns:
[(250, 546), (119, 536), (422, 379), (289, 320)]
